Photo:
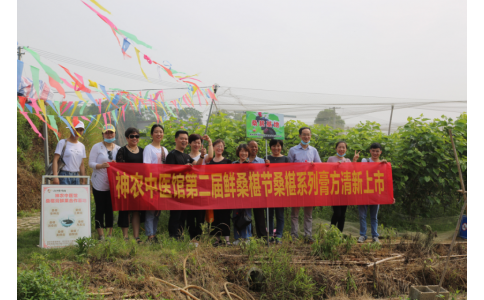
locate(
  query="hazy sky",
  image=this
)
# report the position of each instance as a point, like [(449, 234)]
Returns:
[(404, 49)]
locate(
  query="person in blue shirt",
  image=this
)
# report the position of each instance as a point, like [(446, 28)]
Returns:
[(303, 153)]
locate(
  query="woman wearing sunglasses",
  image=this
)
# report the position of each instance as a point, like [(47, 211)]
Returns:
[(154, 153), (101, 154), (130, 153)]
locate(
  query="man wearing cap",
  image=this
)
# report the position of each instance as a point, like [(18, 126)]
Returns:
[(74, 153)]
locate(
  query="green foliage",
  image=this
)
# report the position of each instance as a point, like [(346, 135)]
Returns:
[(329, 117), (328, 242), (83, 244), (40, 283)]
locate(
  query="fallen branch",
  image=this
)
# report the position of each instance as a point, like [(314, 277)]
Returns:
[(200, 288), (99, 294), (241, 289), (231, 294), (380, 261), (324, 262)]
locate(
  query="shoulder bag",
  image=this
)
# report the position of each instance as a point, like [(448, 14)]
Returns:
[(60, 162), (242, 220)]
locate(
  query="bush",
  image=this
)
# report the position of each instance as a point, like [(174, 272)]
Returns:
[(41, 284)]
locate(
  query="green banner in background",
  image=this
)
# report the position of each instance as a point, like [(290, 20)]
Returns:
[(265, 125)]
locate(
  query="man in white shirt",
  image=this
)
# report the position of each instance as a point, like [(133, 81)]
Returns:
[(73, 157)]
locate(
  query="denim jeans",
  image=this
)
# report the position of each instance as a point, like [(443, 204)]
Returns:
[(362, 209), (247, 232), (151, 222), (279, 219), (69, 181)]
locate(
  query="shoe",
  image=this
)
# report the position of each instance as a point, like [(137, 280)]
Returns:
[(247, 241), (101, 238), (138, 240), (361, 239), (109, 236), (376, 240), (126, 239), (308, 240), (236, 242), (278, 241), (294, 238)]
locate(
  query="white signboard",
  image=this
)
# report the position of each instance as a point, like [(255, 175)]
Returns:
[(65, 216)]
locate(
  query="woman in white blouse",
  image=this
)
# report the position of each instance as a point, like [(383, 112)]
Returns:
[(101, 154), (154, 153)]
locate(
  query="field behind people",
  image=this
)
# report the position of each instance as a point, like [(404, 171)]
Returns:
[(425, 188)]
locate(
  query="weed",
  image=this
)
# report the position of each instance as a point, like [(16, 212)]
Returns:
[(350, 283), (328, 241), (371, 247), (41, 284), (83, 244)]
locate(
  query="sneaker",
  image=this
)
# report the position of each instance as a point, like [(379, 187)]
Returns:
[(361, 239), (101, 238), (278, 241), (295, 238), (247, 241), (194, 244), (376, 240), (236, 242)]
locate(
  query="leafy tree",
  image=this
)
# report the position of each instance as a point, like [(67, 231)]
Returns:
[(329, 117), (190, 112)]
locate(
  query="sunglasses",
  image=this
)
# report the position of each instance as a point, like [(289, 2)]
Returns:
[(132, 136), (110, 155)]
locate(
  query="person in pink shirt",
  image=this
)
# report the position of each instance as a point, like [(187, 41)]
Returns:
[(339, 212)]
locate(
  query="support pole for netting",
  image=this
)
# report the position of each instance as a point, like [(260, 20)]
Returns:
[(463, 190), (390, 125), (215, 87), (267, 209)]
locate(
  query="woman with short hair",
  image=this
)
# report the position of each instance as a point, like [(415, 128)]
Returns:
[(221, 217), (195, 218), (339, 212), (100, 156), (154, 153), (131, 153), (242, 152), (276, 147)]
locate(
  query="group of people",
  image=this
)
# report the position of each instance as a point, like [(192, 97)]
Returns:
[(72, 152)]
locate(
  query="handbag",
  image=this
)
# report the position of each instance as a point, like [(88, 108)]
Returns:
[(60, 162), (242, 220)]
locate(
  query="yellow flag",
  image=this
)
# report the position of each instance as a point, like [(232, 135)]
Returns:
[(100, 7), (139, 61), (92, 83), (74, 109), (79, 95)]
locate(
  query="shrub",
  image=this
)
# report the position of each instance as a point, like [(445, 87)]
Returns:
[(41, 284)]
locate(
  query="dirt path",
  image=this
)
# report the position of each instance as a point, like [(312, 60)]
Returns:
[(28, 223)]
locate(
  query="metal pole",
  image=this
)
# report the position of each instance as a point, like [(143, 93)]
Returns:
[(334, 117), (215, 87), (267, 210), (463, 189), (390, 125)]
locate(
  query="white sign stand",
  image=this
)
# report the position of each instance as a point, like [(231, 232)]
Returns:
[(65, 213)]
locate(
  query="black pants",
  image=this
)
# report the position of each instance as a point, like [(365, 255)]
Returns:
[(339, 215), (103, 217), (124, 217), (176, 222), (260, 222), (221, 222), (195, 219)]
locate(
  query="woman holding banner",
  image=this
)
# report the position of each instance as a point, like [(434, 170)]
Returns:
[(99, 158), (242, 153), (130, 153), (339, 212), (221, 217), (195, 218), (154, 153), (276, 157)]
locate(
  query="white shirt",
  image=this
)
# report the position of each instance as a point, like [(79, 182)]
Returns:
[(196, 158), (99, 155), (152, 155), (72, 156), (365, 160)]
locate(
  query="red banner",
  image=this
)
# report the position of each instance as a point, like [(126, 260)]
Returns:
[(177, 187)]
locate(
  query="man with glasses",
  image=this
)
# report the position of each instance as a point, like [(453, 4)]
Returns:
[(303, 153), (71, 152)]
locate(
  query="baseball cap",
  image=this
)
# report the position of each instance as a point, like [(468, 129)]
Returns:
[(78, 125), (109, 127)]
